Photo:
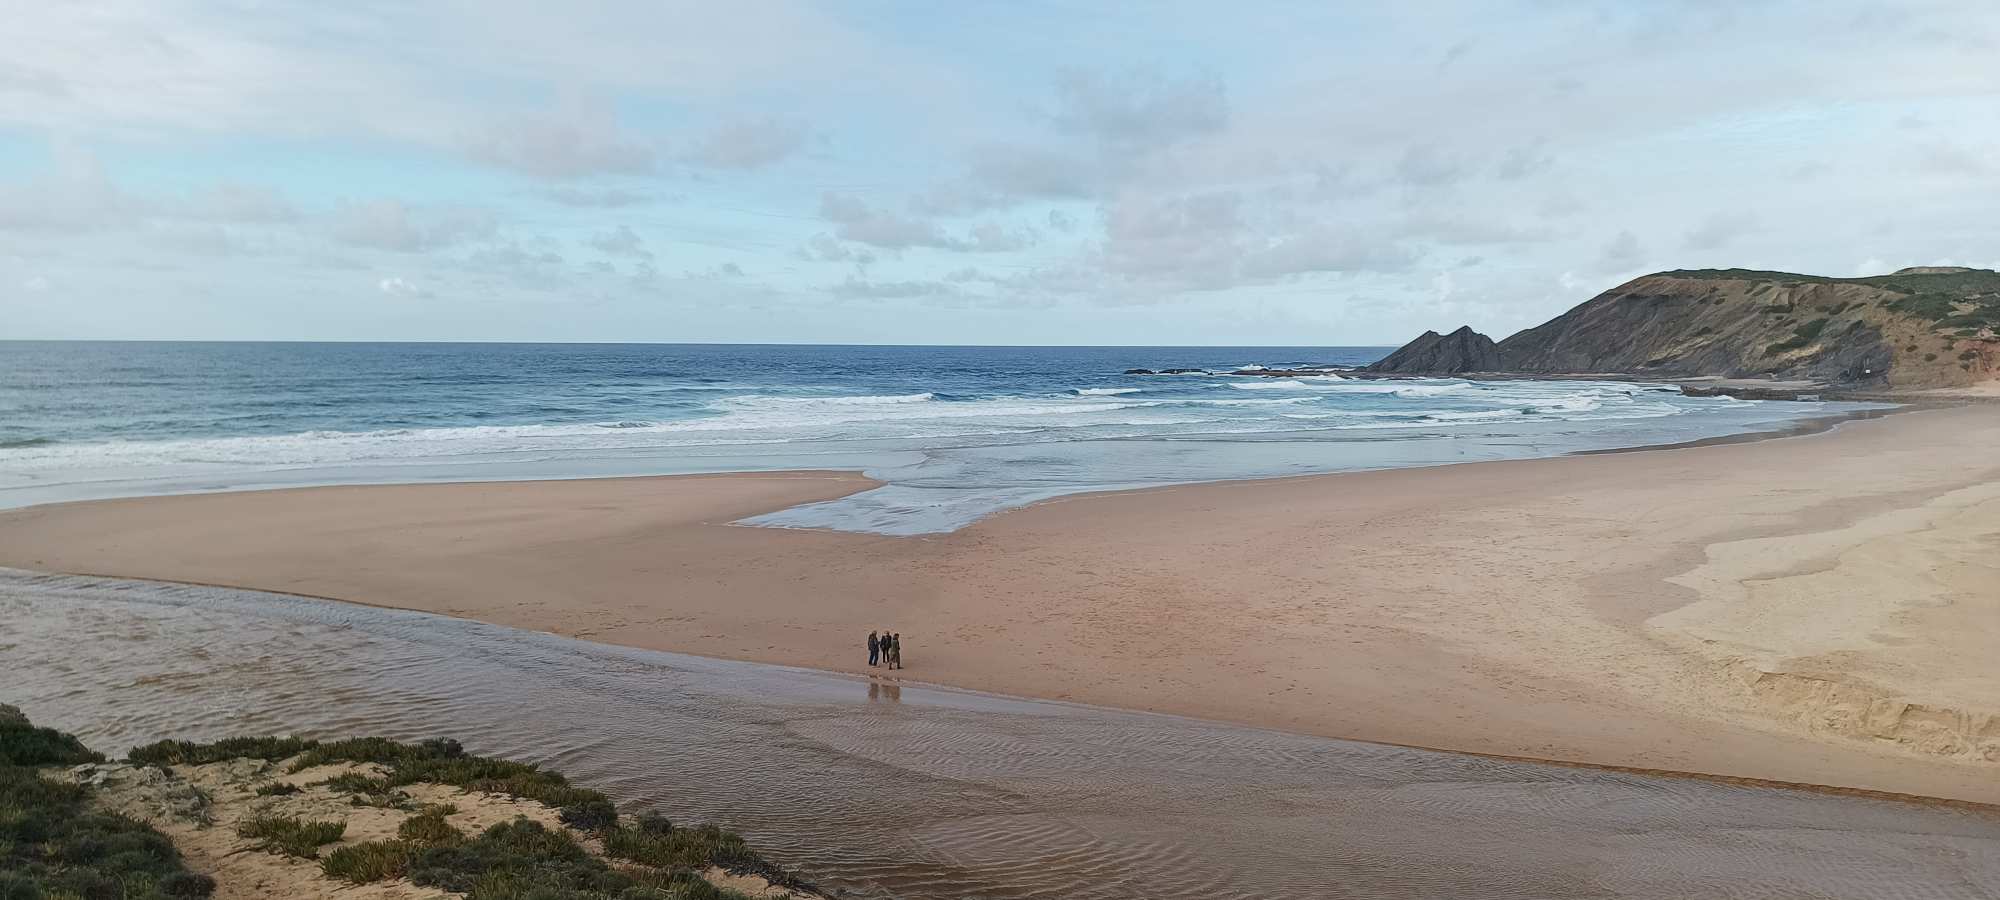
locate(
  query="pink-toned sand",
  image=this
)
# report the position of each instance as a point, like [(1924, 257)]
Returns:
[(1819, 609)]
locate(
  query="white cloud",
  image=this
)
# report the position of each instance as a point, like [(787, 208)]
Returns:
[(858, 222), (397, 227), (621, 241), (247, 203), (748, 144), (1139, 105), (1720, 230), (1622, 254), (598, 198), (76, 195), (396, 286), (577, 139)]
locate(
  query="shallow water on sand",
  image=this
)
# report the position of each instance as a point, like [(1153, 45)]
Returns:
[(886, 791)]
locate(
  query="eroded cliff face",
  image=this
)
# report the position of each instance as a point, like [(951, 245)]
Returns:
[(1917, 328)]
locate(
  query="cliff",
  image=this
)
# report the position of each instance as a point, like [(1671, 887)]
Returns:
[(1922, 327), (1431, 353)]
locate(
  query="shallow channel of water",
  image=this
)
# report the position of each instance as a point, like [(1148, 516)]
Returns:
[(884, 791)]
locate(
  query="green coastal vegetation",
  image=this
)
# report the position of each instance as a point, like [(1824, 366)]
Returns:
[(52, 845), (1956, 298), (57, 846)]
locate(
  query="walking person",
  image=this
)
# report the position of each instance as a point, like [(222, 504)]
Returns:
[(874, 648), (895, 651)]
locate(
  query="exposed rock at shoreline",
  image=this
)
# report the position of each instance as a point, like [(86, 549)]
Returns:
[(1431, 353)]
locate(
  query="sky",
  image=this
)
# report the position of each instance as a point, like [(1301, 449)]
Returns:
[(1164, 172)]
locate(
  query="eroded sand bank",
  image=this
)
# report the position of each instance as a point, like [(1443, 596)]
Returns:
[(1808, 609)]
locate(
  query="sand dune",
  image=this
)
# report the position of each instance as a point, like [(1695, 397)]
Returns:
[(1815, 609)]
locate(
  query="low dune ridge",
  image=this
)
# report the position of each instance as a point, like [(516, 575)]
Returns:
[(1805, 609)]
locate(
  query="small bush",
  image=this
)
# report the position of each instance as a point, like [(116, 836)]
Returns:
[(291, 836), (1801, 337), (654, 823), (355, 783), (23, 744), (1930, 357), (52, 846), (169, 753), (441, 761), (681, 848), (515, 855), (1969, 354), (590, 815), (428, 828), (187, 884), (369, 861), (277, 789)]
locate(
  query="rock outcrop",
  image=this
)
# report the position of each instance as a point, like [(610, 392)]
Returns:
[(1431, 353), (1922, 327)]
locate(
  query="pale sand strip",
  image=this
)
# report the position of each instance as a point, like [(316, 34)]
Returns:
[(1757, 610)]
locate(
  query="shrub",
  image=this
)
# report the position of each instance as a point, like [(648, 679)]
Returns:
[(1969, 354), (1931, 306), (291, 836), (514, 854), (441, 761), (167, 753), (428, 828), (1930, 357), (277, 789), (590, 815), (1801, 337), (369, 861), (23, 744), (52, 846), (356, 783), (682, 848), (654, 823), (187, 884)]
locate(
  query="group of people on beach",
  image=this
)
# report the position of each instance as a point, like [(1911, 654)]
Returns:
[(885, 648)]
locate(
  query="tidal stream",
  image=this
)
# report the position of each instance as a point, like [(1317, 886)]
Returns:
[(879, 790)]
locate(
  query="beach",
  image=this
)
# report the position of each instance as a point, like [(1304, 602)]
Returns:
[(1814, 609)]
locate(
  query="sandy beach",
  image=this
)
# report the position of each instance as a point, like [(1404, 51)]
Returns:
[(1816, 609)]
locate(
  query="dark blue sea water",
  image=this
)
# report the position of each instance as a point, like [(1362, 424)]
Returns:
[(957, 432)]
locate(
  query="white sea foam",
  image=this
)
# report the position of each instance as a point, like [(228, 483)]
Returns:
[(1269, 384), (865, 400), (1432, 390), (791, 427)]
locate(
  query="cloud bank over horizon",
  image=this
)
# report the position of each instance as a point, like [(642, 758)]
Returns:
[(879, 172)]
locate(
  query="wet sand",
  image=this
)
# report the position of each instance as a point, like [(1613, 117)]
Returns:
[(1806, 609), (879, 790)]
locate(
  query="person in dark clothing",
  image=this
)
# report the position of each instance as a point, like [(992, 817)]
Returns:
[(874, 648), (895, 651)]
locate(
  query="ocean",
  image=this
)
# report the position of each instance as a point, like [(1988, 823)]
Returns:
[(955, 433)]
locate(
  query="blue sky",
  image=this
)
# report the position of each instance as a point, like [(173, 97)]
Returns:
[(875, 172)]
